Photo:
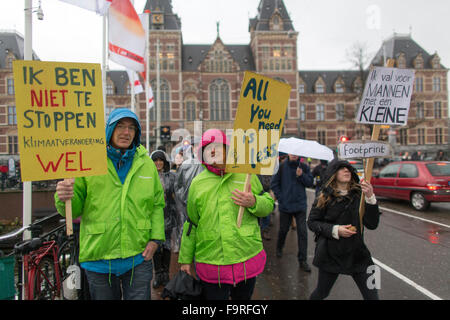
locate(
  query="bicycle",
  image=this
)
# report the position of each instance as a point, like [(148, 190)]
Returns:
[(42, 269), (45, 259)]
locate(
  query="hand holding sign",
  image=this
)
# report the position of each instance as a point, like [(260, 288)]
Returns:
[(366, 188), (64, 189), (244, 199)]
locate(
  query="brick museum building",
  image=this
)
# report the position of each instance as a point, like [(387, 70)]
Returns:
[(203, 82)]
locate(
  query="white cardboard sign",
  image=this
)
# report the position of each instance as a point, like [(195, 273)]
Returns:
[(364, 149), (387, 96)]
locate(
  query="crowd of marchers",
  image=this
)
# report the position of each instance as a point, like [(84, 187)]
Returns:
[(135, 217)]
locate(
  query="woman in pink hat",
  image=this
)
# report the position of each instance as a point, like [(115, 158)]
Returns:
[(227, 258)]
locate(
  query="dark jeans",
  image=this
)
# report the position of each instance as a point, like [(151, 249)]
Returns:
[(327, 280), (101, 288), (264, 222), (302, 235), (242, 291)]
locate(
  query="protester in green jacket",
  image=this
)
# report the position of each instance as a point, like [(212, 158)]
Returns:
[(121, 214), (228, 258)]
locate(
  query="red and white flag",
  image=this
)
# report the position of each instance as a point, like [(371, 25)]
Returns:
[(151, 101), (99, 6), (134, 81), (126, 36), (145, 18)]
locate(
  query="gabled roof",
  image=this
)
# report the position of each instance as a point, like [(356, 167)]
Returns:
[(194, 54), (402, 44), (266, 9), (12, 41), (329, 77)]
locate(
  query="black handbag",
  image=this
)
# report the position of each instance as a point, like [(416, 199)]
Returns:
[(182, 287)]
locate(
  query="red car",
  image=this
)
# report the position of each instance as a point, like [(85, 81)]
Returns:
[(419, 182)]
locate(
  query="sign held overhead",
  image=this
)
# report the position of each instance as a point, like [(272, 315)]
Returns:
[(386, 97)]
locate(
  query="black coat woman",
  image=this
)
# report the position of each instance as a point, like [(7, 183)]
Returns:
[(334, 218)]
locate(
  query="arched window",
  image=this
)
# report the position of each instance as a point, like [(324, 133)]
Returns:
[(435, 61), (339, 86), (165, 100), (418, 61), (9, 60), (219, 97), (190, 108), (401, 61)]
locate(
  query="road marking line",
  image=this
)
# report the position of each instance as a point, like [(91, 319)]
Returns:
[(407, 215), (407, 280), (411, 216)]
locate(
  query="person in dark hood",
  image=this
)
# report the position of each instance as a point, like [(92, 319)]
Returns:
[(161, 259), (122, 214), (289, 186), (334, 218)]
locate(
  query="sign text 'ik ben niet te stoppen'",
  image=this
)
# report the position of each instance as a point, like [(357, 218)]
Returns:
[(60, 119)]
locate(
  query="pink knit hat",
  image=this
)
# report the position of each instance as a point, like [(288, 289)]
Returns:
[(210, 136)]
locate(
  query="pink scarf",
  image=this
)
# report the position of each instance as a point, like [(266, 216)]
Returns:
[(219, 172)]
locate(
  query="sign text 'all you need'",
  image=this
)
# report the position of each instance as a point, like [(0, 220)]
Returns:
[(258, 124)]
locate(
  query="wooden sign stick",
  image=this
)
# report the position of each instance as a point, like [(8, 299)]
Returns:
[(369, 163), (241, 209), (69, 225)]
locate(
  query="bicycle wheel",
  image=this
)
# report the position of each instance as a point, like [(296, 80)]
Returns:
[(67, 255), (45, 281)]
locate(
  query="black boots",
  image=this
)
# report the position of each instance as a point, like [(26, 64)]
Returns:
[(161, 263)]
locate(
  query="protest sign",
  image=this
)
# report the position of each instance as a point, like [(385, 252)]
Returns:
[(386, 97), (364, 149), (60, 119), (258, 125)]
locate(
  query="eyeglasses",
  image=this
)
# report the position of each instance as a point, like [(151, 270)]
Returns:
[(122, 128)]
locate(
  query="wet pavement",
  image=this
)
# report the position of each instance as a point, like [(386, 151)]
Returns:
[(416, 255)]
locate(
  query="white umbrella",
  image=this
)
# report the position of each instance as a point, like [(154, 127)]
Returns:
[(305, 148)]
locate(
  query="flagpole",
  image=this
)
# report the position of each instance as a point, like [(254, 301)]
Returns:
[(133, 106), (104, 59), (27, 185), (147, 89), (28, 55), (158, 99)]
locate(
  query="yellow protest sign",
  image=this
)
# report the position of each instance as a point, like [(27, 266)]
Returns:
[(258, 125), (60, 119)]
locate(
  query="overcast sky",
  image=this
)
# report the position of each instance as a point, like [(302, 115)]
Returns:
[(327, 28)]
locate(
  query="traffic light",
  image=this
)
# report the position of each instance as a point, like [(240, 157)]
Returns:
[(343, 139), (165, 132)]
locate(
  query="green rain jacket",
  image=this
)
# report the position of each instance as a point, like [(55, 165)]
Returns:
[(118, 220), (214, 237)]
